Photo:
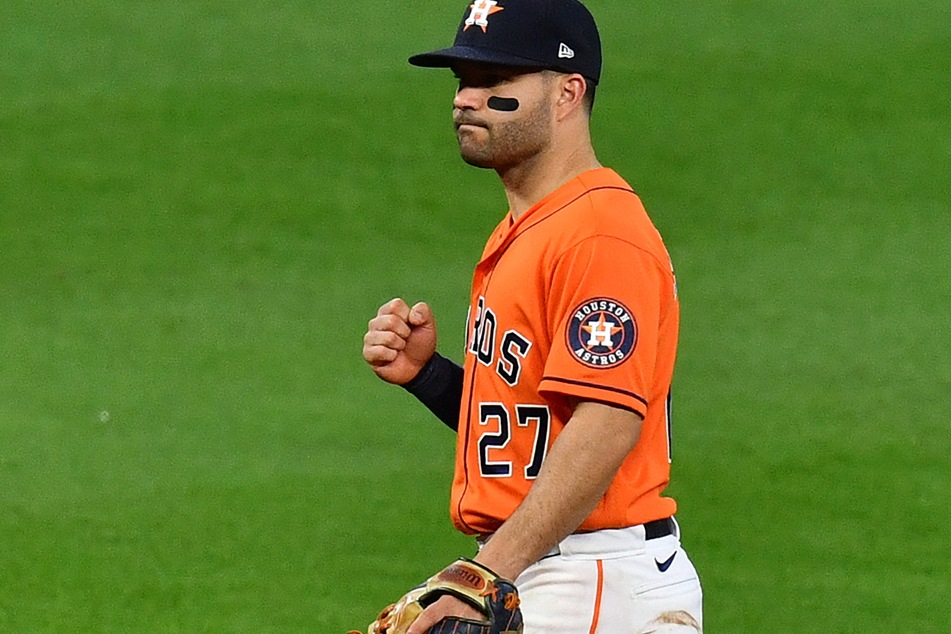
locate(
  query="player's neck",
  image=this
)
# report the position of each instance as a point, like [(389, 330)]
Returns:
[(532, 180)]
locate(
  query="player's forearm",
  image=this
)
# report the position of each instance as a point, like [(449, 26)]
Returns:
[(438, 386), (573, 479)]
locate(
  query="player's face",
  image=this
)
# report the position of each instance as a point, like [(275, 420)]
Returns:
[(501, 139)]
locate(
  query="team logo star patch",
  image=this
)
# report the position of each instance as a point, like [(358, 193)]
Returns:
[(602, 333), (479, 16)]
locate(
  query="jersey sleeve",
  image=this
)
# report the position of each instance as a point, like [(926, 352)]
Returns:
[(604, 314)]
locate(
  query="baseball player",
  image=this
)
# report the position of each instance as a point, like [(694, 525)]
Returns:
[(562, 404)]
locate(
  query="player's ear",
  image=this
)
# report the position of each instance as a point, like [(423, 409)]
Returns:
[(571, 90)]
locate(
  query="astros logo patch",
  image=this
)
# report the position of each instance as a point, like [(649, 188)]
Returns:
[(602, 333), (481, 10)]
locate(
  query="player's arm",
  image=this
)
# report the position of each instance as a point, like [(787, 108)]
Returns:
[(400, 346), (438, 386), (573, 479)]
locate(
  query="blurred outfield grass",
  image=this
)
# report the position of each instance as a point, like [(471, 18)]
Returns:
[(202, 203)]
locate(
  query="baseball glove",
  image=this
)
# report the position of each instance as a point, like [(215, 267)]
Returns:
[(468, 581)]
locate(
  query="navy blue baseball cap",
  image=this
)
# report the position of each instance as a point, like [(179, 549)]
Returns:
[(558, 35)]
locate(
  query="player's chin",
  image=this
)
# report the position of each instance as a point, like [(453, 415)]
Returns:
[(475, 155), (472, 137), (476, 160)]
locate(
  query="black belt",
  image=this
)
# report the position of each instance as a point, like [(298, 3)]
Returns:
[(659, 528), (652, 530)]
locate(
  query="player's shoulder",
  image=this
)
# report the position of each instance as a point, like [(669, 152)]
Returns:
[(610, 208)]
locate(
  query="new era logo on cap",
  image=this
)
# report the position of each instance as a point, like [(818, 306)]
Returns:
[(565, 52)]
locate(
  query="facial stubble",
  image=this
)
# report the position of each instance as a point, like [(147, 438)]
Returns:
[(506, 143)]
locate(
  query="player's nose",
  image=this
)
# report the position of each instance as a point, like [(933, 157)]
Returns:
[(468, 98)]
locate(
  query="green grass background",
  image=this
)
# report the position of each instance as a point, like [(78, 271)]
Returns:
[(202, 203)]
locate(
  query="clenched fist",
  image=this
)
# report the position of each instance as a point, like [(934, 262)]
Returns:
[(400, 340)]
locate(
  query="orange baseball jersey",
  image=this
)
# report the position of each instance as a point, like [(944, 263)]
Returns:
[(576, 299)]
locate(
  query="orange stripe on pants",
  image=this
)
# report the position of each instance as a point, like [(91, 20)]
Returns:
[(597, 598)]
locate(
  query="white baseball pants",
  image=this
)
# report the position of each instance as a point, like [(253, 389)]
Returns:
[(613, 582)]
